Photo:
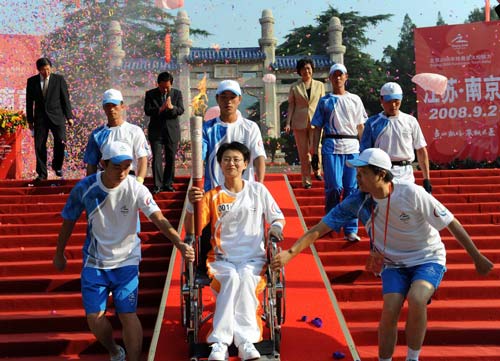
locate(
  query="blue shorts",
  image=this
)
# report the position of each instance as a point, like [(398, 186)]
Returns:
[(399, 280), (122, 282)]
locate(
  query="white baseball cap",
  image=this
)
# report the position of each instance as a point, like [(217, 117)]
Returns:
[(391, 91), (372, 156), (230, 85), (339, 67), (117, 152), (112, 96)]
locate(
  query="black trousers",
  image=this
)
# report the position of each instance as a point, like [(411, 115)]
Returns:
[(41, 135), (163, 176)]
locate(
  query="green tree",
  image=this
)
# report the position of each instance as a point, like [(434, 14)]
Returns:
[(477, 14), (79, 51), (366, 75), (440, 21), (401, 65)]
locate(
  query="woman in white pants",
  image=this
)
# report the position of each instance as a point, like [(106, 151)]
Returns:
[(236, 262)]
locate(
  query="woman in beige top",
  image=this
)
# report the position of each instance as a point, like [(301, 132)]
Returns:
[(302, 100)]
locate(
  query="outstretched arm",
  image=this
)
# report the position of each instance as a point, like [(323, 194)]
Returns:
[(168, 231), (303, 242), (483, 264)]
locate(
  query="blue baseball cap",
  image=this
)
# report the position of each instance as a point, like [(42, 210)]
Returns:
[(338, 67), (112, 96), (391, 91), (230, 85), (372, 156), (117, 152)]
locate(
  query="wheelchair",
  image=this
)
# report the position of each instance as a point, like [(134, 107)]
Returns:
[(195, 313)]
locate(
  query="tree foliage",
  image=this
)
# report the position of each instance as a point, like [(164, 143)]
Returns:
[(477, 14), (78, 49), (401, 65), (440, 21), (80, 45)]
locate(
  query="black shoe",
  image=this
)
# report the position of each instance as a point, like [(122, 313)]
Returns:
[(59, 172), (156, 190), (39, 179), (168, 188), (318, 177), (307, 186)]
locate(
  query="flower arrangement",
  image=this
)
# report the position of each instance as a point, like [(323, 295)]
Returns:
[(11, 120)]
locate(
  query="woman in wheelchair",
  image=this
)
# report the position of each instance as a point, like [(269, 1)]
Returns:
[(237, 212)]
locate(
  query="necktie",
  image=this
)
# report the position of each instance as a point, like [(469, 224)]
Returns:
[(45, 86)]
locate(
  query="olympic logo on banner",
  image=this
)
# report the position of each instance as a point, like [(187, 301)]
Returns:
[(463, 121)]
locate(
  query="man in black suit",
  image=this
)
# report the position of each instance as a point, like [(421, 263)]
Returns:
[(52, 109), (164, 105)]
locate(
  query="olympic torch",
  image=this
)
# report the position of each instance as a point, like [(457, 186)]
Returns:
[(196, 167)]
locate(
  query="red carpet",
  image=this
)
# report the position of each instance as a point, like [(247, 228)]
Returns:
[(305, 296), (42, 318), (41, 315), (465, 313)]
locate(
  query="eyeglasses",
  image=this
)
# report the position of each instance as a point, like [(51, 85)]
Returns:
[(234, 160)]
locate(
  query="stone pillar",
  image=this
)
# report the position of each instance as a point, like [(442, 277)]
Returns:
[(115, 56), (269, 107), (183, 82), (335, 49), (115, 53)]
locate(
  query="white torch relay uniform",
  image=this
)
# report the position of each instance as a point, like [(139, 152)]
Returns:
[(236, 262), (398, 136)]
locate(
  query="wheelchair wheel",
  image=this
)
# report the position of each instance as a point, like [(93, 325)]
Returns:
[(277, 340), (280, 300), (191, 343), (271, 316), (185, 304), (196, 313)]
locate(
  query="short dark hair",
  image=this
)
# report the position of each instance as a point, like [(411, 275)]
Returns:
[(237, 146), (40, 63), (303, 62), (165, 76), (388, 177)]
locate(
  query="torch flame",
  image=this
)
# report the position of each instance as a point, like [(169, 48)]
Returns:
[(199, 102)]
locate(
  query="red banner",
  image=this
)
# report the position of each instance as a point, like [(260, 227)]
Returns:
[(464, 121), (18, 56), (167, 47)]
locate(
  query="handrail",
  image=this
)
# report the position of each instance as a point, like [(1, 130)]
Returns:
[(166, 287)]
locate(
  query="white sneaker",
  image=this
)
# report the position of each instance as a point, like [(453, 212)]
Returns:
[(247, 351), (352, 237), (120, 356), (219, 352)]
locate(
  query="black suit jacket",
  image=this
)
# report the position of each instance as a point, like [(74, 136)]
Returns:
[(165, 125), (56, 106)]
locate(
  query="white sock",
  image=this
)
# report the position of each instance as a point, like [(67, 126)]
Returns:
[(385, 359), (412, 355)]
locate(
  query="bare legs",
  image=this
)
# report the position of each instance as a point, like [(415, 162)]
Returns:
[(132, 333), (416, 324)]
